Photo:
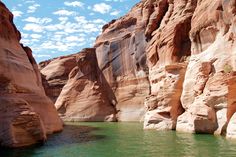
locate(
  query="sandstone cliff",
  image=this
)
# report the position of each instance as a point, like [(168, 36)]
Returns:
[(55, 74), (26, 114), (85, 96), (172, 64)]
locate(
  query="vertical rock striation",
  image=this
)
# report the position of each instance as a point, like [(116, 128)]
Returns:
[(121, 57), (211, 66), (172, 64), (26, 114), (167, 52)]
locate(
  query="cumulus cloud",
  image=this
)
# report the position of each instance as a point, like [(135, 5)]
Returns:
[(36, 36), (69, 25), (17, 13), (44, 20), (33, 27), (74, 4), (33, 8), (115, 13), (64, 12), (75, 38), (30, 1), (102, 8)]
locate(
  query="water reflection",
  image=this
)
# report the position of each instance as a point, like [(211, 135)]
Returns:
[(71, 135), (126, 140)]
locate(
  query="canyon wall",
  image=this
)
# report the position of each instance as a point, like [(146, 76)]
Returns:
[(26, 114), (55, 74), (85, 97), (171, 64), (121, 57)]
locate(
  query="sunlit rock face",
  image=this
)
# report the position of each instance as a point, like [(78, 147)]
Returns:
[(121, 57), (169, 63), (167, 52), (55, 74), (85, 97), (26, 114), (206, 90)]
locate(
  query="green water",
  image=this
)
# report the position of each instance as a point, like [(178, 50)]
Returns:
[(125, 140)]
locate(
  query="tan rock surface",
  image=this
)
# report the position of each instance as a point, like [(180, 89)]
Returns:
[(85, 96), (121, 57), (171, 63), (231, 129), (55, 74), (26, 114), (206, 85), (167, 53)]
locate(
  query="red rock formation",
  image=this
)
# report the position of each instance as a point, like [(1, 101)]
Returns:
[(85, 96), (205, 87), (55, 74), (121, 57), (26, 114), (168, 48), (171, 63)]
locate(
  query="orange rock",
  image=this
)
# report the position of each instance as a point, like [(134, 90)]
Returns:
[(121, 57), (55, 74), (205, 87), (85, 95), (26, 114)]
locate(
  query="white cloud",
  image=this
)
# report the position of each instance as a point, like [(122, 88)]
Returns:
[(30, 1), (64, 13), (74, 4), (33, 8), (115, 13), (36, 36), (44, 20), (102, 8), (41, 55), (99, 21), (75, 38), (33, 27), (17, 13)]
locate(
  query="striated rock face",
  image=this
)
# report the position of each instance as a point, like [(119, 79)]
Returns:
[(167, 53), (55, 74), (170, 63), (121, 57), (85, 97), (210, 68), (26, 114)]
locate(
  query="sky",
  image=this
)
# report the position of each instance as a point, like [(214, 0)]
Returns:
[(53, 28)]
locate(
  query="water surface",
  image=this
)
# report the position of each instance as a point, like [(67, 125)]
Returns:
[(125, 140)]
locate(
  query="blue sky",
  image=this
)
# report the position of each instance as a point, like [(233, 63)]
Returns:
[(59, 27)]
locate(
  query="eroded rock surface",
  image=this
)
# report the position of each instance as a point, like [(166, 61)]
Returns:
[(210, 68), (85, 97), (55, 74), (172, 64), (121, 57), (26, 114)]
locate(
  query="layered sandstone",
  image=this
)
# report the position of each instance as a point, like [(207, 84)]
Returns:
[(170, 63), (85, 97), (206, 87), (121, 57), (167, 54), (26, 114), (55, 74)]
